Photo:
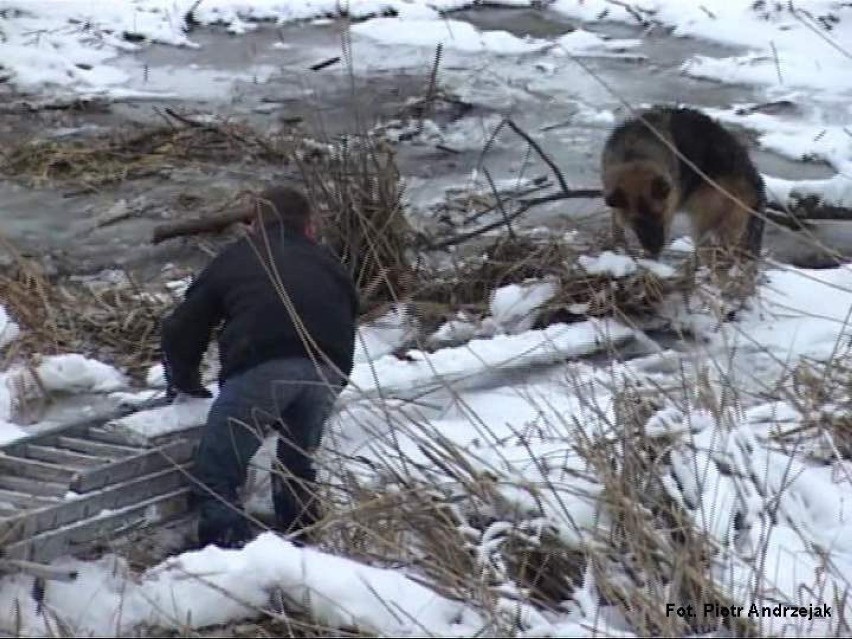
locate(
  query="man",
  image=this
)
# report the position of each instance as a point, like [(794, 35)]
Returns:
[(288, 312)]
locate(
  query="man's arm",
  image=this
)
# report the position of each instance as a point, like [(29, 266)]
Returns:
[(186, 334)]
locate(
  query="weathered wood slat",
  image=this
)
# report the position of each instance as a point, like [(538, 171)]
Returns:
[(61, 456), (167, 456), (34, 469), (107, 436), (32, 523), (32, 486), (69, 428), (27, 500), (119, 482), (55, 543), (7, 509), (110, 451)]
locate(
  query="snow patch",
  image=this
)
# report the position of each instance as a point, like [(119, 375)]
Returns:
[(74, 373), (212, 586), (384, 335), (514, 307), (9, 330), (453, 34), (609, 263)]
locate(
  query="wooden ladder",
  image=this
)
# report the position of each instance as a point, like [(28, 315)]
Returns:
[(77, 485)]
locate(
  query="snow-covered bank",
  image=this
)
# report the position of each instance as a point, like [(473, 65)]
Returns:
[(778, 521), (213, 586)]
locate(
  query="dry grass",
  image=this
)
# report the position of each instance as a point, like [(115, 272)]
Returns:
[(117, 324), (356, 188), (821, 393), (116, 157), (653, 554)]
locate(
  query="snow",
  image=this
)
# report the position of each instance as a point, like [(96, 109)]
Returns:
[(8, 432), (67, 373), (581, 41), (511, 404), (74, 373), (836, 190), (519, 424), (214, 586), (9, 330), (453, 34), (787, 48), (800, 311), (815, 140), (513, 307), (384, 335), (142, 426), (390, 376), (609, 263), (78, 46), (156, 376)]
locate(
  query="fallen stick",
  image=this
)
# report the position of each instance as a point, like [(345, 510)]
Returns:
[(525, 205), (319, 66), (810, 207), (222, 131), (212, 224)]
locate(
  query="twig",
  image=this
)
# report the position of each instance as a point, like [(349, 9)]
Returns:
[(217, 129), (547, 159), (499, 203), (539, 183), (430, 91), (325, 63), (525, 205)]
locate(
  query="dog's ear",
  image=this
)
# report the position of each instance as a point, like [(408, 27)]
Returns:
[(660, 188), (616, 199)]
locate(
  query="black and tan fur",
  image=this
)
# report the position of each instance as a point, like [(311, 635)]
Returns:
[(646, 183)]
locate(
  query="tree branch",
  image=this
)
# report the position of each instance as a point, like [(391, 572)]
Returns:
[(544, 156)]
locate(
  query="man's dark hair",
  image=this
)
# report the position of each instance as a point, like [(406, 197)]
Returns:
[(284, 206)]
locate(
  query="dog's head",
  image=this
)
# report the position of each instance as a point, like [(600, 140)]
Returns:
[(644, 198)]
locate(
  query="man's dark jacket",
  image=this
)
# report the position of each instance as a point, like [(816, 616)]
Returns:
[(248, 290)]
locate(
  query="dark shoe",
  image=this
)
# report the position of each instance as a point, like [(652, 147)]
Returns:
[(221, 525), (234, 536)]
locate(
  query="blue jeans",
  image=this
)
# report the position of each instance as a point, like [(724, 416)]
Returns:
[(294, 397)]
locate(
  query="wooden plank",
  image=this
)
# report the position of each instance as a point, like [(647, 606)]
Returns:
[(107, 436), (34, 469), (8, 510), (192, 434), (35, 522), (26, 500), (110, 451), (61, 456), (68, 428), (32, 486), (166, 456), (48, 546)]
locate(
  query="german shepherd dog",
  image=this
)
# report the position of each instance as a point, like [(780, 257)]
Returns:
[(646, 183)]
